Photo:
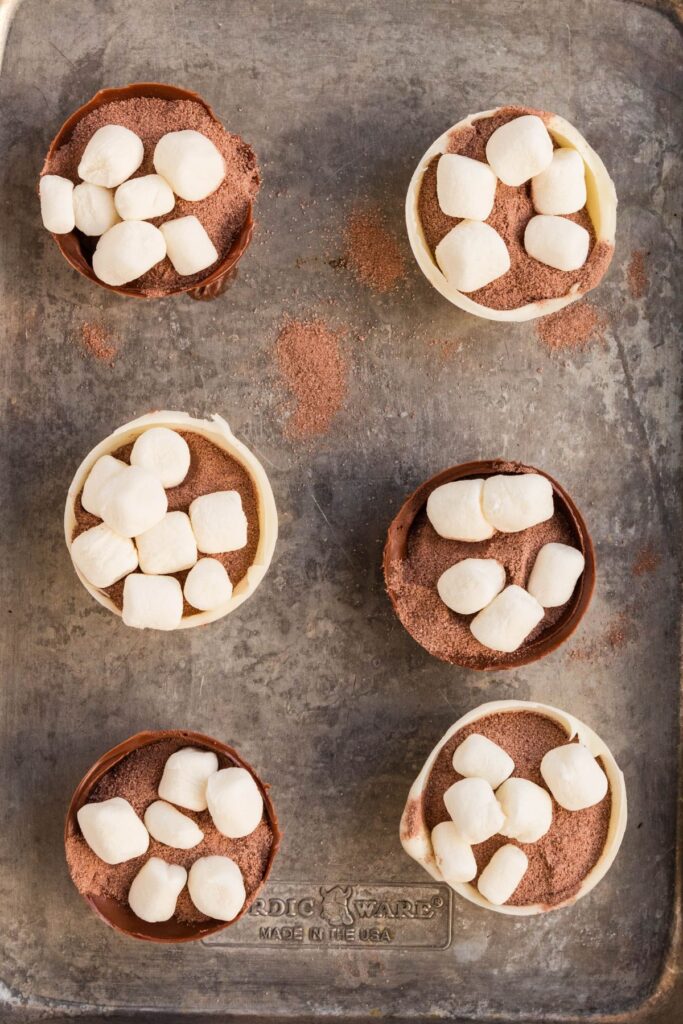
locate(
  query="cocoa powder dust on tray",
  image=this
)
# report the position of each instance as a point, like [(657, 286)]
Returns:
[(98, 342), (371, 252), (314, 371), (573, 328), (636, 274)]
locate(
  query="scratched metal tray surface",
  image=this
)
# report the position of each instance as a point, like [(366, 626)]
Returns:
[(314, 680)]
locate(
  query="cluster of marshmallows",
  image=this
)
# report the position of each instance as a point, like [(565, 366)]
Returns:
[(488, 802), (473, 510), (473, 254), (192, 780), (137, 530), (110, 204)]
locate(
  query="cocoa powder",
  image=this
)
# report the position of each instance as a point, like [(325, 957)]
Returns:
[(573, 328), (637, 274), (97, 342), (314, 371), (372, 253)]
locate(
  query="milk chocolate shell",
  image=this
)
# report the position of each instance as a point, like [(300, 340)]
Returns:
[(601, 204), (550, 638), (119, 915), (416, 839), (218, 432)]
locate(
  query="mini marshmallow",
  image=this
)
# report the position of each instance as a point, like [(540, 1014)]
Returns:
[(94, 209), (502, 874), (103, 556), (454, 858), (152, 602), (561, 187), (528, 810), (57, 204), (573, 776), (217, 887), (167, 825), (520, 149), (163, 452), (470, 585), (188, 246), (155, 890), (132, 501), (554, 575), (143, 198), (557, 242), (464, 187), (472, 255), (505, 624), (104, 469), (219, 522), (474, 810), (479, 757), (455, 511), (185, 776), (515, 501), (111, 156), (127, 251), (235, 802), (207, 585), (113, 830), (167, 547), (190, 163)]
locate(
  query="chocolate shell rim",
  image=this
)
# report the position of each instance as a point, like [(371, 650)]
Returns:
[(119, 916), (397, 540)]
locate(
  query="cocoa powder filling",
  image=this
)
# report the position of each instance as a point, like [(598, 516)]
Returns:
[(564, 856), (527, 280), (136, 779), (211, 469)]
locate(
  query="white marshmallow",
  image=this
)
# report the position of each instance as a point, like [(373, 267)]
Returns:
[(557, 242), (520, 149), (111, 156), (455, 511), (104, 469), (144, 197), (472, 255), (57, 204), (163, 452), (94, 209), (167, 825), (219, 522), (185, 776), (554, 575), (573, 776), (502, 874), (103, 556), (474, 810), (454, 858), (516, 501), (155, 890), (152, 602), (470, 585), (113, 830), (561, 187), (481, 758), (464, 187), (505, 624), (528, 810), (217, 887), (167, 547), (188, 246), (235, 802), (127, 251), (191, 164), (207, 585), (132, 501)]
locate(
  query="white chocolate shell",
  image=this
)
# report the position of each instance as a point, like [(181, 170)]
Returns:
[(218, 432), (601, 204), (415, 836)]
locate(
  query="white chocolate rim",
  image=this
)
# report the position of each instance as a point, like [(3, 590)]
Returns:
[(601, 204), (418, 844), (218, 432)]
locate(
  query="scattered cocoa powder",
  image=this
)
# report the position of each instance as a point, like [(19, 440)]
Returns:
[(314, 370), (647, 560), (637, 274), (98, 342), (372, 253), (619, 632), (573, 328)]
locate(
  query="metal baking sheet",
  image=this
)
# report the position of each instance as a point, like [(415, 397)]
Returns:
[(314, 679)]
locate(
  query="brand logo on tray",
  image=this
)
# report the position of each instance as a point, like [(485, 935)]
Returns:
[(362, 915)]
